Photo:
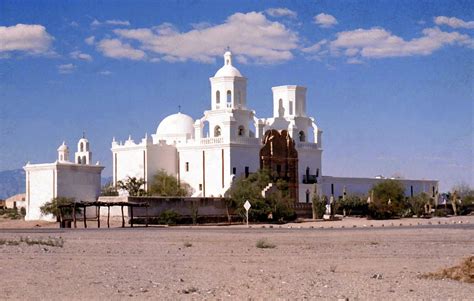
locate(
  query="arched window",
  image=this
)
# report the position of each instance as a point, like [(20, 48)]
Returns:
[(281, 110), (218, 96), (217, 131), (78, 160), (239, 98), (81, 147), (87, 146), (229, 96), (61, 157), (241, 130), (84, 161), (291, 108), (302, 136)]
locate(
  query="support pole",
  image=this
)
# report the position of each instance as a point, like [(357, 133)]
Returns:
[(131, 216), (97, 211), (146, 213), (123, 218), (74, 214), (84, 216), (108, 216)]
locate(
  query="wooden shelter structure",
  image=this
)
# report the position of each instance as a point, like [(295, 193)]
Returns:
[(74, 208)]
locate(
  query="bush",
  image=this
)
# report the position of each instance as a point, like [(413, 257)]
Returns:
[(440, 213), (417, 204), (264, 244), (319, 207), (278, 203), (168, 217), (52, 206), (354, 204), (388, 200)]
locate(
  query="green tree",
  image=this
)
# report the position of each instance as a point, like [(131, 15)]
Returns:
[(354, 204), (52, 207), (277, 203), (133, 185), (108, 190), (388, 200), (418, 203), (164, 184), (318, 206)]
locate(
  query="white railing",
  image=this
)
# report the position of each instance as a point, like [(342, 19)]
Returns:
[(246, 140), (212, 140), (307, 145)]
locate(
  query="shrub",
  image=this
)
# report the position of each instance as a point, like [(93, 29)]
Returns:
[(319, 207), (354, 204), (264, 244), (52, 206), (440, 213), (168, 217), (388, 200), (417, 204)]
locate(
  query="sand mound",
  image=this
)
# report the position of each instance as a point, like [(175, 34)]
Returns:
[(463, 272)]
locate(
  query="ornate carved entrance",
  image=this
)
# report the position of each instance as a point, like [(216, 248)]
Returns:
[(279, 155)]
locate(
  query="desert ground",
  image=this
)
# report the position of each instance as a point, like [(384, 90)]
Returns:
[(352, 259)]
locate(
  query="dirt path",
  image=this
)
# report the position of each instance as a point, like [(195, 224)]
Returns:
[(218, 263)]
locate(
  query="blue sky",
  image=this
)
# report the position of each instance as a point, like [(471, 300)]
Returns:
[(389, 82)]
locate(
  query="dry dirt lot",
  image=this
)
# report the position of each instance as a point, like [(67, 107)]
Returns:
[(224, 263)]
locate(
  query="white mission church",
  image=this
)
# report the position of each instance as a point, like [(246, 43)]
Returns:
[(228, 141)]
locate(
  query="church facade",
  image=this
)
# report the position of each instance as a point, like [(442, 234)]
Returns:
[(230, 141), (79, 179)]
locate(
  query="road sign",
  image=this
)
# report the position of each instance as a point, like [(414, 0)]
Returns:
[(247, 207)]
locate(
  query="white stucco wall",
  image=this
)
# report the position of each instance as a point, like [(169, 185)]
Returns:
[(47, 181), (40, 188), (362, 186)]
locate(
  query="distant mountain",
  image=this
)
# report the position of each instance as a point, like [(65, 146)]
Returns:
[(13, 182)]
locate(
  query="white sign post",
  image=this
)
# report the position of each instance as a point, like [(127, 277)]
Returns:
[(247, 207)]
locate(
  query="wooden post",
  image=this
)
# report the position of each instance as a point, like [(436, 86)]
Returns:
[(61, 217), (74, 214), (123, 218), (108, 216), (84, 216), (97, 211), (146, 214), (131, 216)]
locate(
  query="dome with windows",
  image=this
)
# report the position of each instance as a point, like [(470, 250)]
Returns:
[(176, 126), (228, 69)]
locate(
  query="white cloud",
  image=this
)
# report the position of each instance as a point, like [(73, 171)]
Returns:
[(66, 68), (105, 72), (380, 43), (117, 49), (251, 36), (453, 22), (96, 22), (74, 24), (90, 40), (325, 20), (80, 56), (353, 60), (281, 12), (118, 22), (32, 39)]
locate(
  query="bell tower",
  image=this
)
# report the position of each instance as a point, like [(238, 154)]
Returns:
[(83, 154), (228, 87)]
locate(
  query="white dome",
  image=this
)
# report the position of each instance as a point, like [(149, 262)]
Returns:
[(176, 125), (228, 69), (63, 147)]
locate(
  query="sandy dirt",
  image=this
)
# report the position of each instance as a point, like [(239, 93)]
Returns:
[(224, 263)]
